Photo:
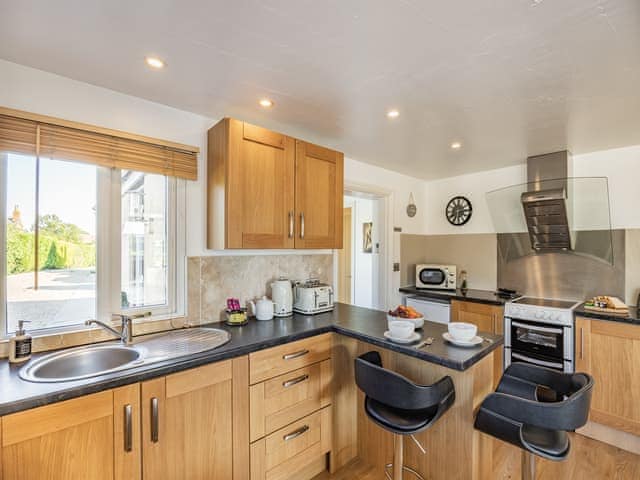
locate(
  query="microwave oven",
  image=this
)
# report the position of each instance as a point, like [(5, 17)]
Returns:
[(436, 276)]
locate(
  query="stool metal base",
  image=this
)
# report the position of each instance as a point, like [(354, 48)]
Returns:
[(389, 466), (528, 464), (398, 459)]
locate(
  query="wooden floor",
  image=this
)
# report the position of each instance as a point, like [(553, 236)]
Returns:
[(589, 459)]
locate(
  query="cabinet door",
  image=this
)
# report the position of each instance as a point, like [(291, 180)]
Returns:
[(70, 439), (260, 188), (187, 425), (609, 351), (488, 318), (480, 314), (319, 187)]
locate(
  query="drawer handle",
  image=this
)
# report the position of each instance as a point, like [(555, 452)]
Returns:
[(128, 428), (154, 420), (294, 381), (295, 433), (291, 356)]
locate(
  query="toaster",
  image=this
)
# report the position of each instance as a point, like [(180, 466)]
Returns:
[(312, 297)]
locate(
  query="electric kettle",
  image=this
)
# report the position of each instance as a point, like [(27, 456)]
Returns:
[(282, 294)]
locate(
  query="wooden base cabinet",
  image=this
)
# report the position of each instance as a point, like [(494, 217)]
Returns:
[(94, 437), (488, 318), (290, 409), (609, 351), (188, 424)]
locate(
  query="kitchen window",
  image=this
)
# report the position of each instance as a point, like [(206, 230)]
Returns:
[(83, 239), (60, 248)]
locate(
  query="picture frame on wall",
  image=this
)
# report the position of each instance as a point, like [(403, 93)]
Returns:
[(367, 237)]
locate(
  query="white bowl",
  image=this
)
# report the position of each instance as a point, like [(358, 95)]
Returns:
[(401, 329), (462, 331), (418, 322)]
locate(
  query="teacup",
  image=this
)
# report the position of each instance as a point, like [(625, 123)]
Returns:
[(462, 331), (401, 328)]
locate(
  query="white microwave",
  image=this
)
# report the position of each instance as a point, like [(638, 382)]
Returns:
[(436, 276)]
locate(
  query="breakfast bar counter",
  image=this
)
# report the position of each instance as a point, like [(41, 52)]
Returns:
[(352, 331), (362, 324)]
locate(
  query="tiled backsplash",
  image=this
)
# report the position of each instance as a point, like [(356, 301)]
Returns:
[(211, 280)]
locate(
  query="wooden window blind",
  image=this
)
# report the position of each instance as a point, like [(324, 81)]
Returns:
[(63, 140)]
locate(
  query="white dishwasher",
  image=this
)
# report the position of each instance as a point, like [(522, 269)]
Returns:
[(433, 310)]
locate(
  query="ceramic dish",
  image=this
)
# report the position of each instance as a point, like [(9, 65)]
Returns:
[(418, 322), (414, 337), (475, 341)]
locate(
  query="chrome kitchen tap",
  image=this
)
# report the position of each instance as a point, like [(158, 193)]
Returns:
[(126, 332)]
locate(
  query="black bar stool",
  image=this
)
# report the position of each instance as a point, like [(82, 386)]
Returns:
[(399, 405), (533, 408)]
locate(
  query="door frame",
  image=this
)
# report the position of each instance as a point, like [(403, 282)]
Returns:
[(385, 196)]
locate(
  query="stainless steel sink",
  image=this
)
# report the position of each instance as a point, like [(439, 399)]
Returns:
[(79, 363), (91, 361)]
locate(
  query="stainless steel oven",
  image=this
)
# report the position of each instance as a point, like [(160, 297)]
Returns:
[(540, 332), (540, 344)]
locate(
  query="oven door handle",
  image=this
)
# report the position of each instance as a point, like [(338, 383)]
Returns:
[(536, 328), (542, 363)]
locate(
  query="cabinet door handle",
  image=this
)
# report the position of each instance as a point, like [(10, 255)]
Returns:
[(302, 225), (295, 433), (128, 428), (292, 219), (581, 343), (294, 381), (154, 420), (291, 356)]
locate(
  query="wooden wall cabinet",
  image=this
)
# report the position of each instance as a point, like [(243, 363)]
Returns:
[(488, 318), (609, 351), (80, 438), (266, 190)]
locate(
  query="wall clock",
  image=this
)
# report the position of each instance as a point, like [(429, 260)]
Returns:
[(458, 211)]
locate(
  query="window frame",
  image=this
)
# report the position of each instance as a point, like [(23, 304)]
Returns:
[(108, 253)]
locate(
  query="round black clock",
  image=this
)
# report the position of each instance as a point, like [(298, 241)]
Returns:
[(458, 211)]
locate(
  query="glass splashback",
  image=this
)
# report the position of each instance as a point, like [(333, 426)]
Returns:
[(588, 213)]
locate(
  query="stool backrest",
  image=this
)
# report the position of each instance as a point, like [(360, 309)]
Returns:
[(570, 411), (397, 391)]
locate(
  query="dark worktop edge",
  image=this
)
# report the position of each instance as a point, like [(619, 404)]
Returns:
[(470, 295), (327, 323)]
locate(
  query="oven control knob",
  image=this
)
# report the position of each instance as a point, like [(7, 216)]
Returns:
[(539, 315)]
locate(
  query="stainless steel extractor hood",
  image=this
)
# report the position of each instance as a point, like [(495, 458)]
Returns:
[(546, 205)]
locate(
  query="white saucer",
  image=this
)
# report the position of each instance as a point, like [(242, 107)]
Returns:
[(462, 343), (412, 338)]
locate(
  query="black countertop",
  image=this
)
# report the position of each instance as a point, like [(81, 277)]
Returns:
[(468, 295), (632, 317), (360, 323)]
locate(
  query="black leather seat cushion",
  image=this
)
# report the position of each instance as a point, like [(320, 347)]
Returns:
[(553, 444), (398, 420)]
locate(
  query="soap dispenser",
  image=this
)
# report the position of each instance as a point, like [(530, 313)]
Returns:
[(20, 345)]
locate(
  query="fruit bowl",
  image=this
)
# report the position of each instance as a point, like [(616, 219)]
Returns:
[(409, 314)]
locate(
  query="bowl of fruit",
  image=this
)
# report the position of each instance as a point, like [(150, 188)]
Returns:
[(402, 312)]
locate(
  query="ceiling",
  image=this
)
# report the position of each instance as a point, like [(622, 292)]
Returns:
[(506, 78)]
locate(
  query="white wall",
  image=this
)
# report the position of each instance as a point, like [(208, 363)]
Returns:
[(25, 88), (620, 165)]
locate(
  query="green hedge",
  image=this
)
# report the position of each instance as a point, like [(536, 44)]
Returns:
[(53, 253)]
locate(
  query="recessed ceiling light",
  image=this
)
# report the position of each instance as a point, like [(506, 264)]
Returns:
[(154, 62), (456, 145), (266, 103), (393, 113)]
